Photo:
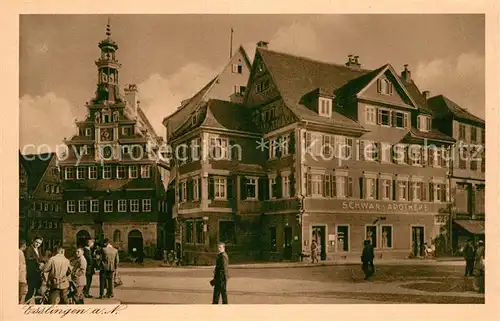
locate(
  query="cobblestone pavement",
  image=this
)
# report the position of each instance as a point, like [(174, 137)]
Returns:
[(320, 285)]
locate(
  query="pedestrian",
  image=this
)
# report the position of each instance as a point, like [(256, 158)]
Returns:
[(89, 273), (221, 275), (23, 284), (109, 265), (367, 257), (314, 251), (34, 266), (59, 269), (468, 253), (78, 275), (165, 256), (479, 267)]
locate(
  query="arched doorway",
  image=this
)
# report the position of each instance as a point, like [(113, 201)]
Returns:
[(135, 241), (81, 238)]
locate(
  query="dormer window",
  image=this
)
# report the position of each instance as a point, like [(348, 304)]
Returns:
[(424, 123), (237, 68), (325, 107), (88, 131), (194, 119), (384, 86)]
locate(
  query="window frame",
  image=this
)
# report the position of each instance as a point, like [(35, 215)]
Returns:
[(145, 171), (107, 169), (134, 205), (71, 204), (122, 206), (256, 187), (348, 238), (220, 182), (391, 237), (131, 170), (325, 107), (376, 234), (82, 206), (146, 205), (80, 170), (93, 170), (121, 169), (370, 112), (92, 204), (106, 204), (380, 112)]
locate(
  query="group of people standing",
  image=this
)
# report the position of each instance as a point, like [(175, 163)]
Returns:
[(55, 271), (474, 262)]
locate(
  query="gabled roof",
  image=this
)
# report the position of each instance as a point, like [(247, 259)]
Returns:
[(35, 165), (442, 106), (295, 76), (432, 135), (354, 86)]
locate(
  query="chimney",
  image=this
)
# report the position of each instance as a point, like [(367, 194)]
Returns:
[(426, 94), (406, 74), (262, 44), (132, 98), (353, 62)]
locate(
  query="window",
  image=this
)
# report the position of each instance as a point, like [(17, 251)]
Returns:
[(371, 151), (386, 239), (462, 157), (218, 147), (146, 205), (285, 145), (416, 191), (415, 155), (286, 186), (71, 206), (439, 192), (424, 123), (273, 148), (371, 188), (272, 187), (134, 205), (475, 161), (200, 235), (145, 171), (108, 206), (237, 68), (46, 207), (370, 113), (88, 131), (340, 188), (386, 189), (473, 134), (121, 172), (93, 172), (251, 187), (133, 171), (82, 206), (461, 131), (68, 173), (80, 173), (371, 234), (400, 119), (94, 206), (117, 236), (399, 156), (195, 149), (183, 194), (327, 145), (189, 232), (196, 189), (403, 190), (384, 86), (325, 107), (227, 232), (122, 205), (220, 187), (317, 184), (343, 238), (384, 117)]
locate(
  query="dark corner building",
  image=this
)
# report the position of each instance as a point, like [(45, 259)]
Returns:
[(467, 171), (40, 195), (347, 154), (113, 181)]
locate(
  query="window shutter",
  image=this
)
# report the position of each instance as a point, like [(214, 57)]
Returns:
[(377, 188), (326, 185), (423, 150), (230, 187), (418, 122), (279, 147), (291, 143), (410, 191), (199, 188), (279, 187), (444, 194), (379, 85), (243, 188), (379, 116), (407, 154), (307, 177), (211, 188), (292, 184), (189, 190), (394, 190), (361, 190), (349, 190), (405, 120), (390, 88), (393, 118), (308, 139), (361, 150), (430, 156), (431, 192), (423, 191), (333, 186)]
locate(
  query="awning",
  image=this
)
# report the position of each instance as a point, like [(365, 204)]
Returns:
[(472, 226)]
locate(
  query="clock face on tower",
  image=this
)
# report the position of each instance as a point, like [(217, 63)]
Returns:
[(107, 151), (105, 134), (104, 77)]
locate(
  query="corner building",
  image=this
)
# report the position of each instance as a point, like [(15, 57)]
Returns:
[(113, 181), (331, 153)]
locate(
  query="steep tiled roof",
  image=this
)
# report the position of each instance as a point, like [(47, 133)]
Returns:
[(352, 87), (415, 93), (36, 165), (442, 106), (232, 116), (432, 135), (294, 76), (105, 184)]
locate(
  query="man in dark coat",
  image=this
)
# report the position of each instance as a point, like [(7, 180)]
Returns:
[(469, 256), (221, 275), (367, 259), (89, 273), (34, 267)]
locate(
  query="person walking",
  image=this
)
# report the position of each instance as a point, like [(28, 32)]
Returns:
[(34, 266), (479, 267), (469, 256), (23, 283), (314, 252), (59, 269), (221, 275), (109, 265), (367, 257), (78, 275), (90, 270)]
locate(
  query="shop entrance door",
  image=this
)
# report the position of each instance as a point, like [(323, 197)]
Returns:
[(287, 253), (417, 239), (318, 235)]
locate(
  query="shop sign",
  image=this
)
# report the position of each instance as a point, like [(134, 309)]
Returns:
[(396, 207)]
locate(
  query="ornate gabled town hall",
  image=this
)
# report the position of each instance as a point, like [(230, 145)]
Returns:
[(300, 173), (112, 187)]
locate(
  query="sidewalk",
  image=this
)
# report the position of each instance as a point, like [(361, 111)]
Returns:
[(97, 301), (275, 265)]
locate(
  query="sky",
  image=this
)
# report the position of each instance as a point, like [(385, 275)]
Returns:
[(170, 57)]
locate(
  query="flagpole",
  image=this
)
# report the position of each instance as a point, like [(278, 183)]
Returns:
[(231, 44)]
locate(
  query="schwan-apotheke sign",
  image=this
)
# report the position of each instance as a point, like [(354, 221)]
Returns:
[(388, 207)]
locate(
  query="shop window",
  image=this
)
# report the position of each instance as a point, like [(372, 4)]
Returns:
[(200, 235), (386, 240), (371, 234), (227, 232), (343, 238)]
